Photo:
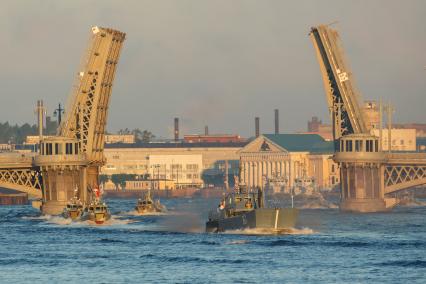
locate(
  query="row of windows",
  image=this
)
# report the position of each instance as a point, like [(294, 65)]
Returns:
[(192, 167), (58, 149), (189, 176), (370, 145), (401, 142), (173, 176)]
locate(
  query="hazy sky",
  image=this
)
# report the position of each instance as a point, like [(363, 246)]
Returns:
[(219, 63)]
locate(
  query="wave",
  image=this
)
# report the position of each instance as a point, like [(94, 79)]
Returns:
[(405, 263), (195, 259), (106, 240), (136, 213), (237, 242), (270, 231), (59, 220)]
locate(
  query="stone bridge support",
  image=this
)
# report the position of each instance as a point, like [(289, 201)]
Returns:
[(369, 175)]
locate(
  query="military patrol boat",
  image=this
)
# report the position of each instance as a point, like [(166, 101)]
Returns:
[(74, 209), (97, 210), (147, 205), (243, 209)]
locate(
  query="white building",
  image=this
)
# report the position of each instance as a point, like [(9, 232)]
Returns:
[(402, 139), (184, 170)]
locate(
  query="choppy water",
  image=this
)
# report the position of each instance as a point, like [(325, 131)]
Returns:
[(327, 246)]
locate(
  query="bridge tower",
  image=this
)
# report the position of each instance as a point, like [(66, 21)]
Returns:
[(367, 174), (72, 159)]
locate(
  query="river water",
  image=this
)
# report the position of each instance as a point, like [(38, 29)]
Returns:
[(327, 246)]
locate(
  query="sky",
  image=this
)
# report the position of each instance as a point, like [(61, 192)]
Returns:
[(218, 63)]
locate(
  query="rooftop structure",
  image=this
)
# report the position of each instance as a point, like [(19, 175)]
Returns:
[(213, 138)]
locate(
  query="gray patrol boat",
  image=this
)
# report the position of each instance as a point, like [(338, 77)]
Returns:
[(243, 209)]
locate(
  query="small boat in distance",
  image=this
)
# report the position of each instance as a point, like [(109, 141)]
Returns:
[(146, 205), (244, 209), (75, 208)]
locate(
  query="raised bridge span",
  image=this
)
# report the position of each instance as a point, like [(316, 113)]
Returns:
[(368, 175), (70, 162)]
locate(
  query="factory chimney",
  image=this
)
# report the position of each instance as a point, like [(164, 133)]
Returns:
[(176, 129), (206, 130), (277, 122), (256, 126)]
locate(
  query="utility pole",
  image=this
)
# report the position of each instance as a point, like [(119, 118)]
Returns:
[(389, 111)]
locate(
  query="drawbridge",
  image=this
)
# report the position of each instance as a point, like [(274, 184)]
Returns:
[(368, 175), (70, 161)]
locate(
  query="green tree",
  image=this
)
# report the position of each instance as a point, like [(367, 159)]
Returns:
[(120, 179), (147, 136), (125, 131), (103, 179), (16, 134)]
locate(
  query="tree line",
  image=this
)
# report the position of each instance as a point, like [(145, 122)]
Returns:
[(144, 136), (17, 134)]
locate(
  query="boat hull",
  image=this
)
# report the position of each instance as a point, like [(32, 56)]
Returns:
[(150, 208), (74, 215), (99, 217), (146, 209), (274, 219)]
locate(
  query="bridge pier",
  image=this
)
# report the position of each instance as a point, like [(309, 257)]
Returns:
[(63, 169), (361, 174)]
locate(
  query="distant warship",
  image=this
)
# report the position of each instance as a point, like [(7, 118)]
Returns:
[(243, 209)]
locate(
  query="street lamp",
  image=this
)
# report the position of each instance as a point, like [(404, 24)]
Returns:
[(58, 112)]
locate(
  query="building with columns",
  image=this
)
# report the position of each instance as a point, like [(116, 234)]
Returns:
[(288, 157)]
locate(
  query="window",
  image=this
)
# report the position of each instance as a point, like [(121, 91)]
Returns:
[(358, 145), (48, 148), (191, 166), (42, 148), (76, 148), (369, 146), (68, 148), (56, 148), (348, 145), (176, 166), (188, 176), (376, 145)]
